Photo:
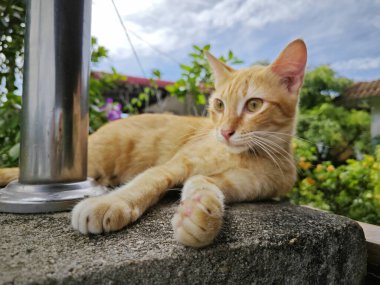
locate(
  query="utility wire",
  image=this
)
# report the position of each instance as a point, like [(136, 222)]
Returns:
[(157, 50), (129, 40), (154, 48)]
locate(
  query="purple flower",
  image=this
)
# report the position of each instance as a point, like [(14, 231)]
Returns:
[(107, 106), (113, 115), (113, 110)]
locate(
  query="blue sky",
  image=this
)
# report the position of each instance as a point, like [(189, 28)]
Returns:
[(342, 33)]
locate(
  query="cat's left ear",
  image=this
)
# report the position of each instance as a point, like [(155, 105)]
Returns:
[(290, 65), (220, 70)]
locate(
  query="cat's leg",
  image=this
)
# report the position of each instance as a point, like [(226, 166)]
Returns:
[(7, 175), (199, 217), (126, 204)]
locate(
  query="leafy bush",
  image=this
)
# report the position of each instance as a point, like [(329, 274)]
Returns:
[(134, 106), (98, 86), (320, 86), (351, 189), (10, 107), (338, 133), (12, 27)]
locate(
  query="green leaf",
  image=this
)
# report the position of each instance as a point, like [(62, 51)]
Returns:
[(197, 48), (230, 55), (201, 99), (185, 67), (14, 152)]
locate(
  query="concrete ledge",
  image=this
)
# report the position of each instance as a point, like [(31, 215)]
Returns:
[(262, 243)]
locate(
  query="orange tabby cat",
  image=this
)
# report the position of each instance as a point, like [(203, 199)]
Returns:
[(242, 152)]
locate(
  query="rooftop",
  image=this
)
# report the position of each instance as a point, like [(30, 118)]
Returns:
[(362, 90), (141, 81)]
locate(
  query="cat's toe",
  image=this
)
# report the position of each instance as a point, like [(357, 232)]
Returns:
[(198, 220), (116, 217), (100, 214)]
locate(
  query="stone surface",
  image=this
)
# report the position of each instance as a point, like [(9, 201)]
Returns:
[(261, 243)]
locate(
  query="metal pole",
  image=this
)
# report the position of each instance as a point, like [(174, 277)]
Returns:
[(54, 125)]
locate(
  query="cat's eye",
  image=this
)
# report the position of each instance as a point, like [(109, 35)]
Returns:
[(253, 105), (218, 105)]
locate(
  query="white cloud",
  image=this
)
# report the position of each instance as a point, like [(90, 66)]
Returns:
[(364, 63), (107, 29), (341, 31), (255, 14), (170, 24)]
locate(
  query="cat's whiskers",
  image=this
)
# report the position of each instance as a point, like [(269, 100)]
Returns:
[(269, 154), (260, 134), (280, 150), (277, 146), (283, 134), (253, 150), (288, 155), (274, 146), (264, 147)]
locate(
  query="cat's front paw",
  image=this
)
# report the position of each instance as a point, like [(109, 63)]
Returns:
[(101, 214), (198, 219)]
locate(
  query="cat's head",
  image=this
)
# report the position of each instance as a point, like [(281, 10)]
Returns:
[(257, 105)]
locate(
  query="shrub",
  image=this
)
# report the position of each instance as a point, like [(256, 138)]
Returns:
[(10, 107), (351, 189), (338, 132)]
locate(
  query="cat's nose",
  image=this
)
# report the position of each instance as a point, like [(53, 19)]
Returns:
[(227, 133)]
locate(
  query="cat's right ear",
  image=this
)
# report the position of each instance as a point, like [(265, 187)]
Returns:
[(220, 70), (290, 65)]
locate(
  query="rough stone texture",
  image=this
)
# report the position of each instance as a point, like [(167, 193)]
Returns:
[(261, 243)]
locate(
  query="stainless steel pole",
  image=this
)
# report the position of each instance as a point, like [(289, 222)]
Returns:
[(54, 125)]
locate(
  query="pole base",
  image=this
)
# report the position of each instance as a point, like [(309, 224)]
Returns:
[(43, 198)]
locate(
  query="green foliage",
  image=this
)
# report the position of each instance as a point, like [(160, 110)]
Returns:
[(352, 189), (98, 86), (12, 29), (320, 86), (196, 80), (336, 130), (144, 97), (331, 135), (10, 107), (97, 52)]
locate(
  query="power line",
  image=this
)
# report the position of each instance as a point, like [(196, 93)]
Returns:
[(154, 48), (129, 39)]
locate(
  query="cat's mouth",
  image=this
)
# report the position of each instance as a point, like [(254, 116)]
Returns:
[(233, 144), (236, 147)]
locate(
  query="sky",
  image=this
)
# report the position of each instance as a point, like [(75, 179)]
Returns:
[(342, 33)]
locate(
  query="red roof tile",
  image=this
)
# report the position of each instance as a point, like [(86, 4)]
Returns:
[(141, 81), (362, 90)]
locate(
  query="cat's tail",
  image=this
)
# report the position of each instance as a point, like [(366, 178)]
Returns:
[(7, 175)]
